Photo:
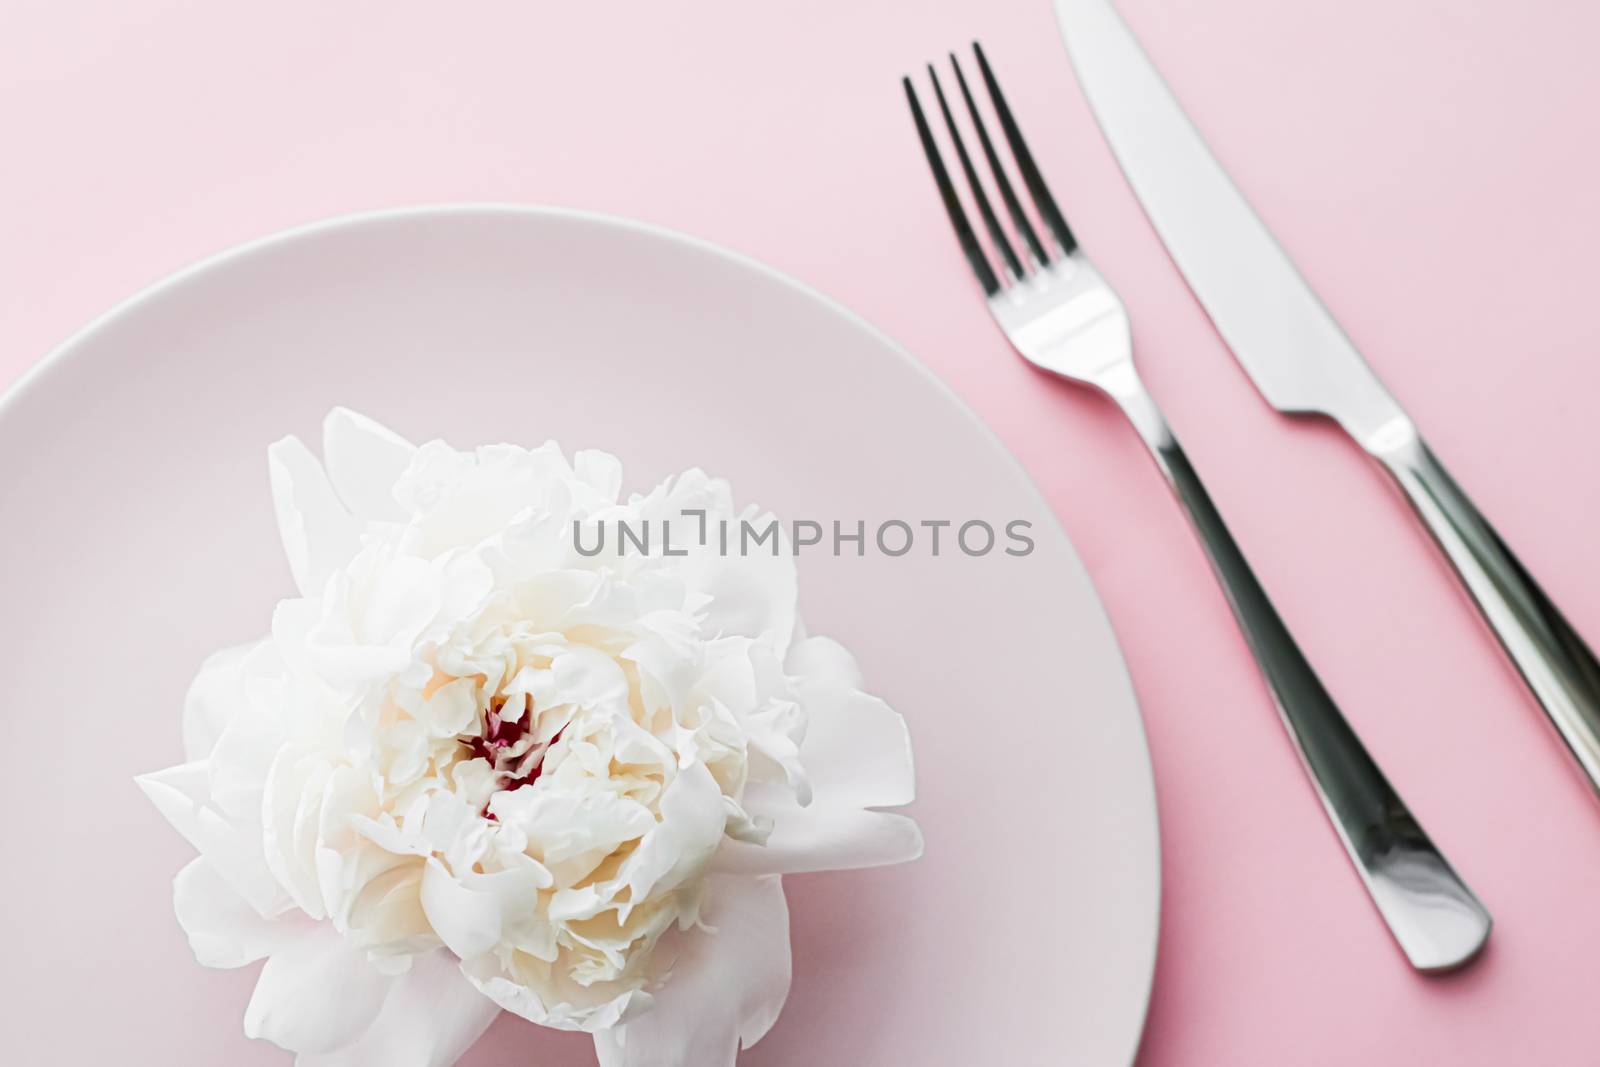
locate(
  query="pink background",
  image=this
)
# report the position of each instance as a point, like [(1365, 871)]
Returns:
[(1430, 165)]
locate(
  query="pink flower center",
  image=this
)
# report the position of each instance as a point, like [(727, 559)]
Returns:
[(494, 745)]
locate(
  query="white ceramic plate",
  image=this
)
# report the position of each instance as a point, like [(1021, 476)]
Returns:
[(140, 536)]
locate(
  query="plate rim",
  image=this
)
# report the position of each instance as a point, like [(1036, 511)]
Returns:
[(29, 380)]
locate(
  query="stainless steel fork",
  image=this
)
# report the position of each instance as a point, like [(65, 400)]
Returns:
[(1063, 317)]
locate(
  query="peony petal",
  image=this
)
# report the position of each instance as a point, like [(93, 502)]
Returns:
[(857, 753), (461, 499), (726, 988), (750, 578), (224, 930), (819, 658), (319, 535), (181, 794), (364, 460), (316, 994), (857, 749), (242, 757), (467, 921), (293, 793), (692, 821), (451, 709), (387, 834), (212, 699), (561, 827), (753, 595), (580, 676), (822, 837), (557, 1002), (601, 471), (430, 1019), (346, 862)]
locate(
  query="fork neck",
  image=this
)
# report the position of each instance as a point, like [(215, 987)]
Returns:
[(1121, 382)]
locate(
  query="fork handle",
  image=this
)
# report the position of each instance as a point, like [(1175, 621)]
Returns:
[(1551, 656), (1437, 920)]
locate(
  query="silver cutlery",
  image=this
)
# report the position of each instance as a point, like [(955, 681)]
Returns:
[(1063, 317), (1303, 363)]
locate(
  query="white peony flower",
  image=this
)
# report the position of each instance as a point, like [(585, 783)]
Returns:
[(473, 769)]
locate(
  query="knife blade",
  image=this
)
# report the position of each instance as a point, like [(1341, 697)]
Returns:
[(1283, 335), (1302, 362)]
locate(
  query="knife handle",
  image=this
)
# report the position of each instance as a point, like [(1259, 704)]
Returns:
[(1437, 920), (1550, 655)]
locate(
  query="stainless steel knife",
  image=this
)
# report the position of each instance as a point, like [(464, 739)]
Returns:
[(1302, 362)]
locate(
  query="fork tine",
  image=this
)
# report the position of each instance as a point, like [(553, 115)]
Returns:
[(952, 203), (1019, 218), (1019, 149), (992, 224)]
